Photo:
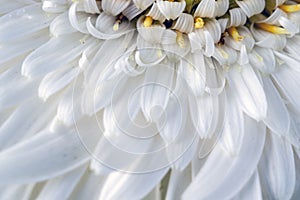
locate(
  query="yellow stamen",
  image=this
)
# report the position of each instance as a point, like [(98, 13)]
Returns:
[(233, 32), (180, 39), (290, 8), (199, 22), (116, 25), (148, 21), (118, 22), (272, 28)]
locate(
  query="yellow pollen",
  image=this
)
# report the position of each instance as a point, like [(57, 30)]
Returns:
[(290, 8), (180, 39), (224, 54), (233, 32), (116, 25), (272, 28), (280, 62), (83, 40), (159, 53), (199, 22), (260, 58), (148, 21), (131, 57)]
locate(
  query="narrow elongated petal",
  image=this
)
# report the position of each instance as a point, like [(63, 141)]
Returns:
[(119, 185), (24, 21), (156, 91), (233, 130), (179, 180), (47, 58), (277, 169), (278, 118), (61, 187), (51, 154), (16, 192), (222, 176), (287, 78), (56, 81), (248, 91), (252, 190), (26, 120)]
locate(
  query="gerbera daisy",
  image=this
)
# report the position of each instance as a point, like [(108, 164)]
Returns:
[(149, 99)]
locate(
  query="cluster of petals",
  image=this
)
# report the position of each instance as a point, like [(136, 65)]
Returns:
[(132, 99)]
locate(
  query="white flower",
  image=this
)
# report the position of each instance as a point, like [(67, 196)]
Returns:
[(121, 99)]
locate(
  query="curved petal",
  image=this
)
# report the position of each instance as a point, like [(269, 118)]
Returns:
[(248, 92), (222, 176), (277, 169)]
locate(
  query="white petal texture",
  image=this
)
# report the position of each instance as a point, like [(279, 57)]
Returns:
[(149, 99)]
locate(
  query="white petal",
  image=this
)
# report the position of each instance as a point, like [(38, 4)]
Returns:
[(174, 115), (288, 60), (248, 91), (20, 192), (222, 176), (42, 157), (18, 47), (24, 21), (48, 57), (57, 80), (114, 7), (132, 11), (278, 118), (263, 59), (215, 81), (26, 120), (287, 80), (157, 87), (69, 107), (171, 10), (128, 186), (77, 19), (184, 23), (237, 17), (277, 169), (233, 130), (268, 40), (221, 7), (143, 4), (8, 6), (148, 54), (155, 13), (206, 8), (61, 25), (179, 181), (52, 6), (192, 71), (89, 187), (207, 111), (18, 92), (61, 187), (252, 190), (251, 7)]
